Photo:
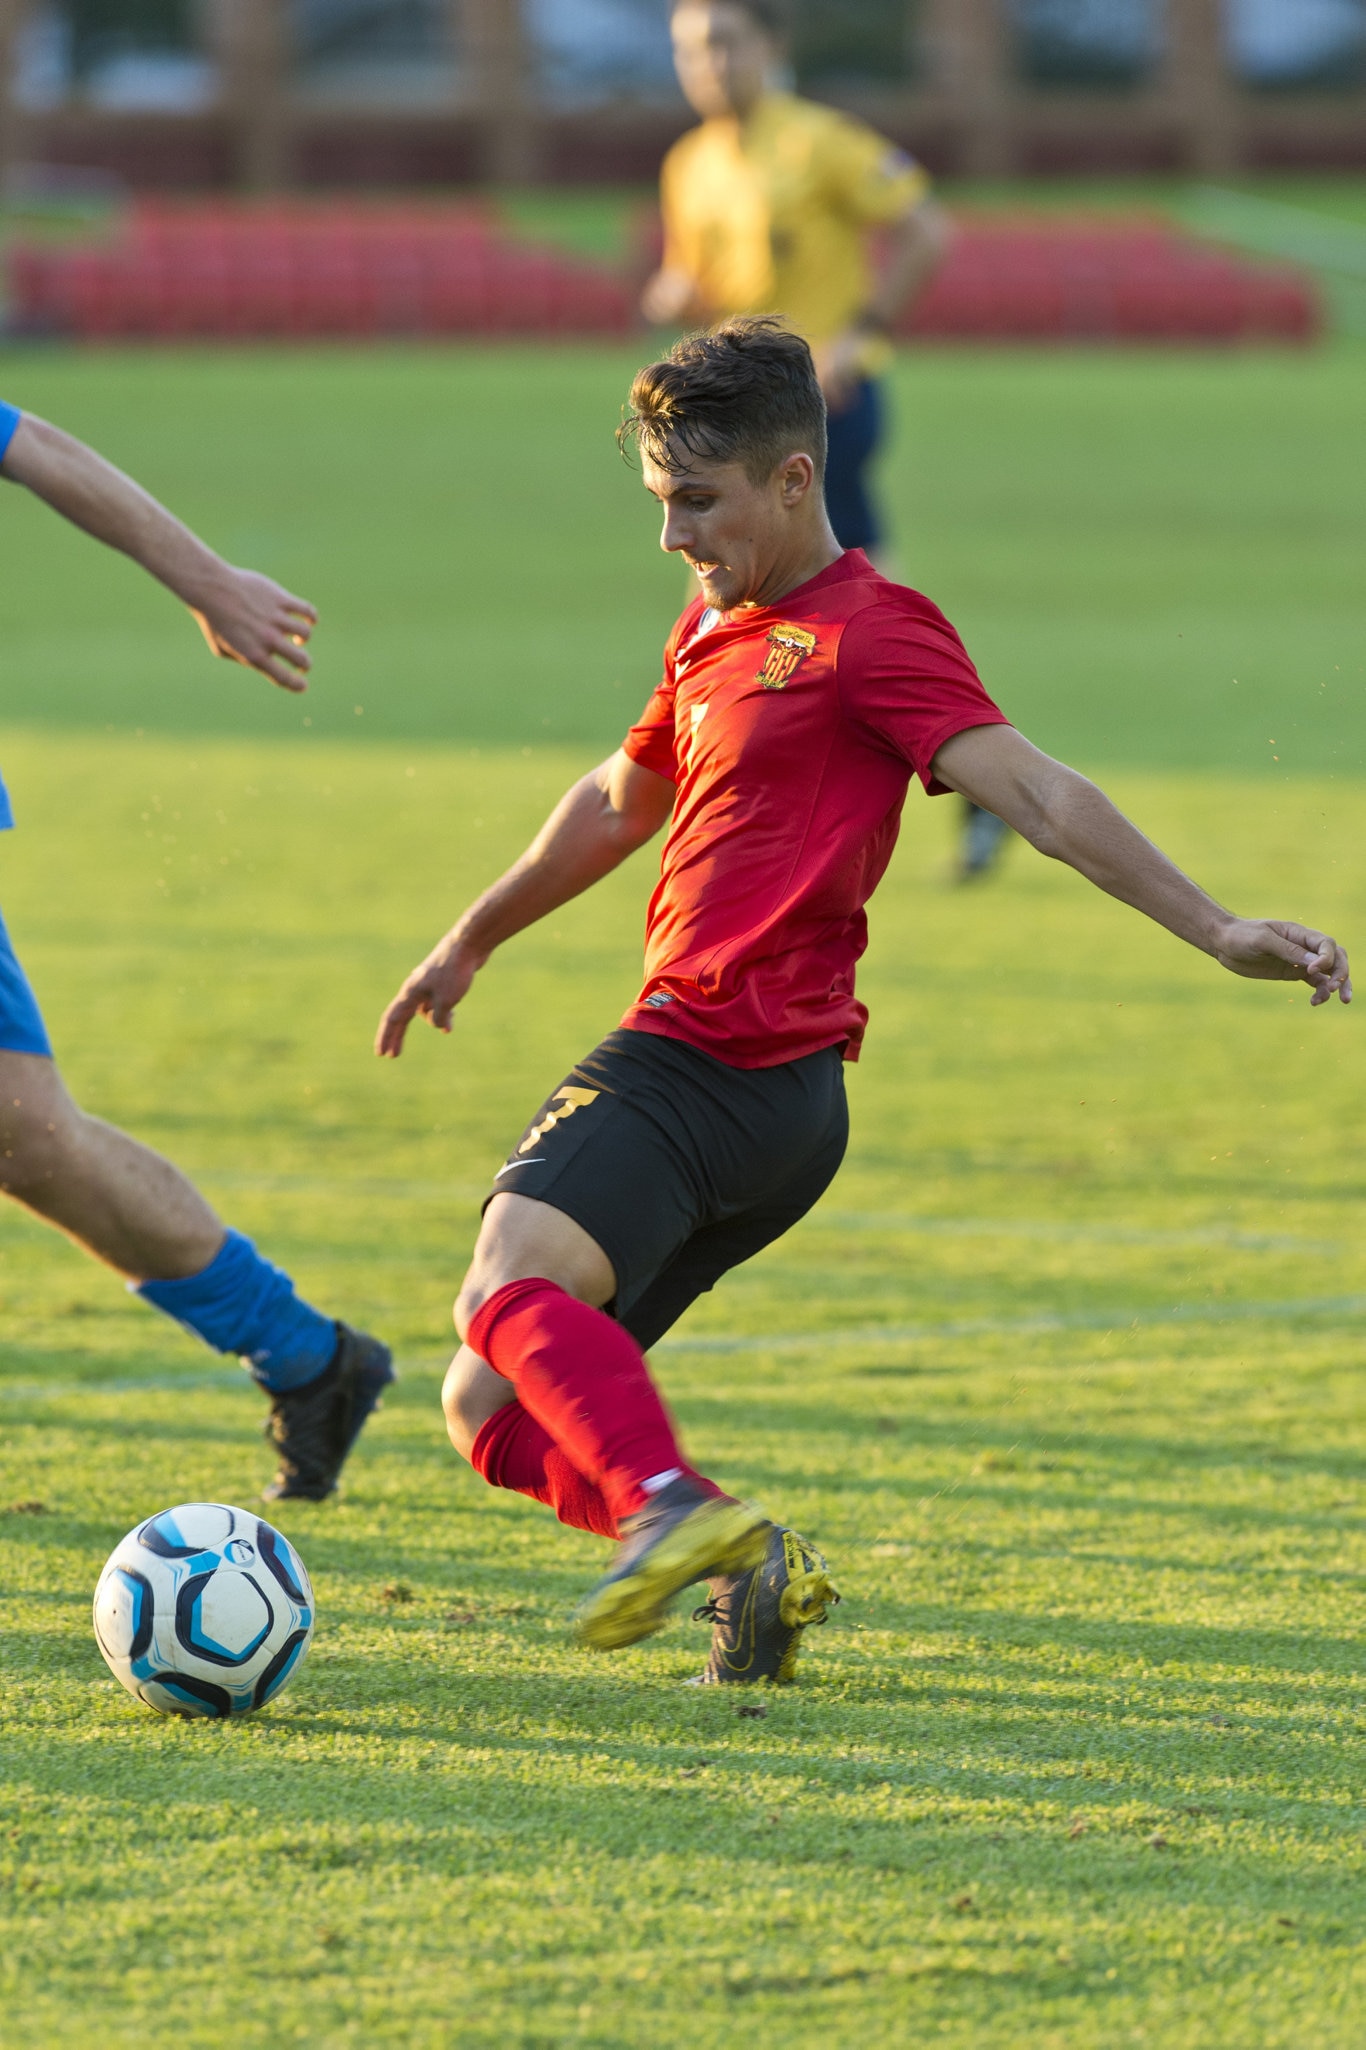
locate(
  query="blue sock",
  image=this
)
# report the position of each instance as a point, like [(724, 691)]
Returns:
[(241, 1303)]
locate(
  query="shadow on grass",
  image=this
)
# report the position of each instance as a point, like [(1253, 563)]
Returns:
[(483, 1803), (972, 1436)]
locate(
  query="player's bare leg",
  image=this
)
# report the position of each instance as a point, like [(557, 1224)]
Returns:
[(529, 1310), (129, 1207), (116, 1198)]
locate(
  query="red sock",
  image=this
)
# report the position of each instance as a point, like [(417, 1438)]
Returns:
[(585, 1381), (513, 1451)]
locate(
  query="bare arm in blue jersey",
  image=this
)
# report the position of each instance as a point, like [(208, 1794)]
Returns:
[(244, 617), (1066, 817)]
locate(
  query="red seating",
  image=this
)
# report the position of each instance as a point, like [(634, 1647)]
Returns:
[(1074, 278), (294, 269)]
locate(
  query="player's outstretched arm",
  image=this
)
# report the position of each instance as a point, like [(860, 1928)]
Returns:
[(916, 246), (593, 828), (1068, 818), (244, 617)]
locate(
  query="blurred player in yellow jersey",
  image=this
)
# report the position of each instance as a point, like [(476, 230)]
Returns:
[(772, 205)]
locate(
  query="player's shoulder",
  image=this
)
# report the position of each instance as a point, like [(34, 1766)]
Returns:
[(862, 591), (695, 145), (885, 620), (853, 155), (812, 117), (805, 129), (832, 130)]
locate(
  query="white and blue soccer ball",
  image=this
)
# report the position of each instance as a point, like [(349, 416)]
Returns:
[(204, 1610)]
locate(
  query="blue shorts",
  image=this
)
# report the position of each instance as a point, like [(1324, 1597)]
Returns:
[(855, 434), (21, 1022)]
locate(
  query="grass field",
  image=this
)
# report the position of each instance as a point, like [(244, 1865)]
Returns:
[(1064, 1374)]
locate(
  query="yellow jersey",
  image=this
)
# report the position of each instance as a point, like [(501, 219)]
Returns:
[(772, 214)]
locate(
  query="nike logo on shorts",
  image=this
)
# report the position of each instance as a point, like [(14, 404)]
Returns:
[(508, 1165)]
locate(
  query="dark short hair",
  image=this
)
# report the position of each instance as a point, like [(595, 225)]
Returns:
[(746, 392), (774, 17)]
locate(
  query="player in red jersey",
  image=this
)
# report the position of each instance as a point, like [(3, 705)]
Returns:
[(801, 693)]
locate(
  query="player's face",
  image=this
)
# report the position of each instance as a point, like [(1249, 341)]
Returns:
[(722, 57), (735, 535)]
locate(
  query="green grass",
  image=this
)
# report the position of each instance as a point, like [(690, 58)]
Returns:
[(1077, 1764), (1155, 560)]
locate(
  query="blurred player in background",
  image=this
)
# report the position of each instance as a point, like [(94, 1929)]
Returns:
[(116, 1198), (772, 206), (802, 692)]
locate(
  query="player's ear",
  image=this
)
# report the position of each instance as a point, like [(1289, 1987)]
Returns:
[(796, 475)]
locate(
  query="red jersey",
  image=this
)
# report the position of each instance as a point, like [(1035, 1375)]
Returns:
[(792, 732)]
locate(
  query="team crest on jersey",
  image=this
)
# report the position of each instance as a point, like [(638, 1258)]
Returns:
[(787, 646)]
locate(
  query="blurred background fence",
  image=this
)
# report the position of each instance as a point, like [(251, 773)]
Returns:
[(263, 93)]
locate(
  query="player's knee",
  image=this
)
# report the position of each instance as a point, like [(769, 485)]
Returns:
[(470, 1394), (453, 1407), (489, 1270), (473, 1295)]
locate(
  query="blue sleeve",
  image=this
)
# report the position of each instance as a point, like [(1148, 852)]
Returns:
[(10, 416)]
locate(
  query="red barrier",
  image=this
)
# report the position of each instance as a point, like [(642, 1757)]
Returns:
[(291, 270)]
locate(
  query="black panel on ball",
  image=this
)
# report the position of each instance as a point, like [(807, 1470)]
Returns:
[(215, 1698), (268, 1544), (275, 1673)]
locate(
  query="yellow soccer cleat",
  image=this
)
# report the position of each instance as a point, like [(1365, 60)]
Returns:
[(681, 1536)]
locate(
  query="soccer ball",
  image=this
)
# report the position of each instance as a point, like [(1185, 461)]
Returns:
[(204, 1610)]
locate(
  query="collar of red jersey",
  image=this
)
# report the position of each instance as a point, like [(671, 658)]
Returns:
[(710, 618), (763, 615)]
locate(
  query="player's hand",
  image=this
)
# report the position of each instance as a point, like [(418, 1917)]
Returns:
[(669, 297), (432, 991), (250, 619), (840, 365), (1273, 950)]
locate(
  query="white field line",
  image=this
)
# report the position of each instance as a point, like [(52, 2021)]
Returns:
[(221, 1381), (368, 1186), (840, 1220), (1062, 1229), (1011, 1327), (1297, 232), (227, 1378), (397, 1189)]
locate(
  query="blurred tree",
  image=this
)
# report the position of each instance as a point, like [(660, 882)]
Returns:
[(12, 14), (370, 29), (858, 42), (101, 29), (1088, 42), (252, 42)]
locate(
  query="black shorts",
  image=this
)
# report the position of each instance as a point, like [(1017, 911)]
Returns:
[(679, 1166)]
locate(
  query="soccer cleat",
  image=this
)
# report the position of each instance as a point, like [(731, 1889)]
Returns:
[(683, 1534), (314, 1427), (759, 1616)]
